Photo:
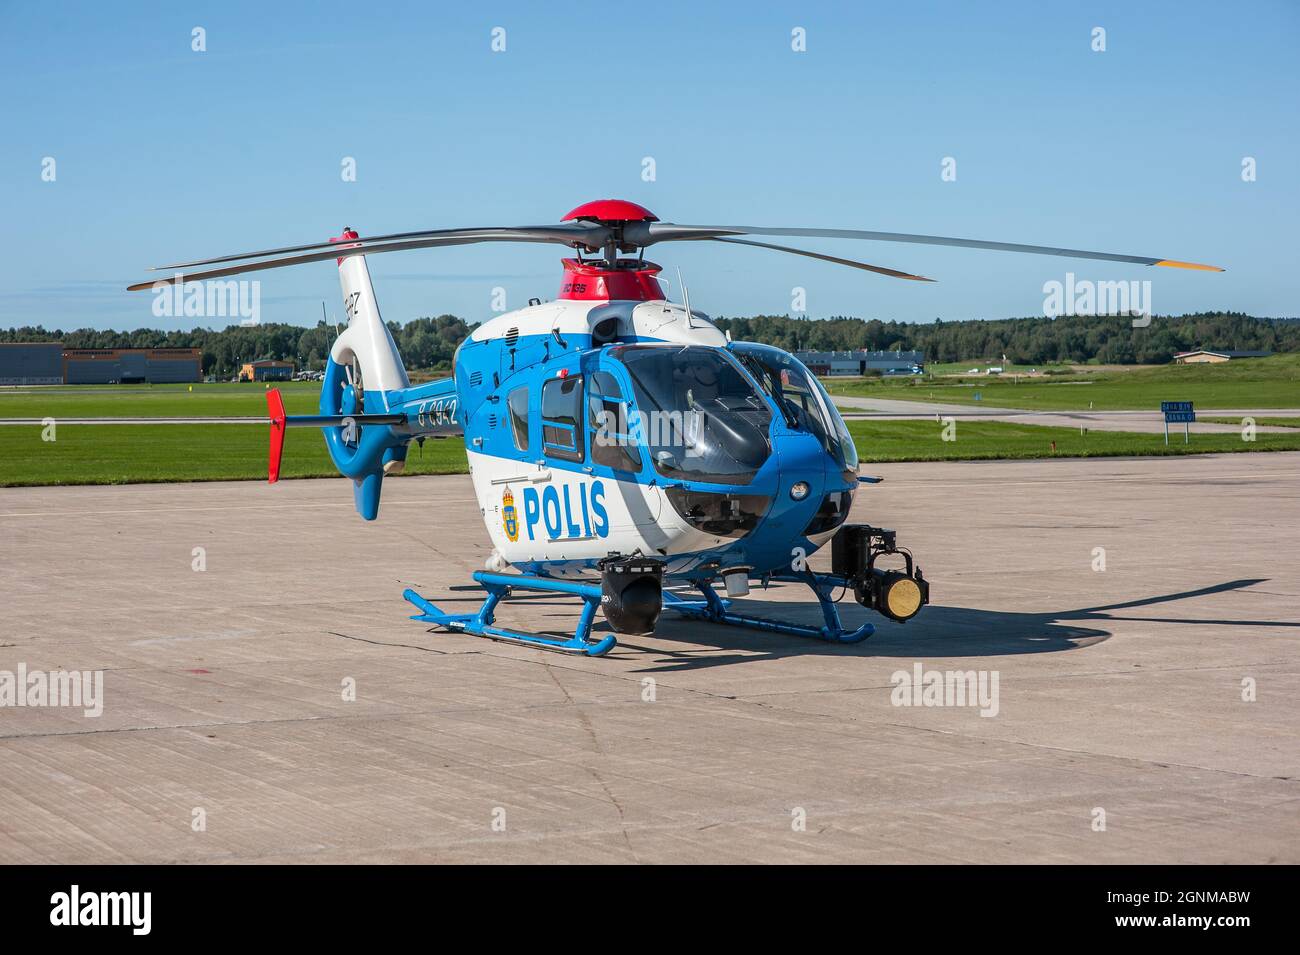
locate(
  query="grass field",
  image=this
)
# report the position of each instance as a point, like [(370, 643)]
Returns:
[(132, 454), (114, 454), (1259, 420), (129, 454), (1254, 383), (881, 441), (1272, 382), (1008, 368), (223, 400)]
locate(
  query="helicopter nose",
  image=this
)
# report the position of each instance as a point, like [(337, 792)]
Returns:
[(801, 460)]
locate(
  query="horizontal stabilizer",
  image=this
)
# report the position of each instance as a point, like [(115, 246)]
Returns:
[(280, 421)]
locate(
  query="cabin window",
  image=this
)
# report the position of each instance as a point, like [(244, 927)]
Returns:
[(612, 444), (518, 403), (562, 418)]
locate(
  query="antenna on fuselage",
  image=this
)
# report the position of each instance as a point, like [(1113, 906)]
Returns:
[(686, 298)]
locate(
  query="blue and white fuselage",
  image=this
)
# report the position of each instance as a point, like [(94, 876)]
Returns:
[(597, 427), (580, 435)]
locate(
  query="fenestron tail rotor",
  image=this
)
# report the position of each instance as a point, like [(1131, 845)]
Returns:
[(610, 227)]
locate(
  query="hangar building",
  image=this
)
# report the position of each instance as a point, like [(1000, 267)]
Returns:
[(49, 363), (107, 366), (1202, 356), (862, 362), (31, 363)]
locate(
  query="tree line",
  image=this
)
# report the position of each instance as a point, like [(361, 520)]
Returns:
[(1033, 341), (430, 343), (427, 343)]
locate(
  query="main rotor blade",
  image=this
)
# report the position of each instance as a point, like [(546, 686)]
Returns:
[(648, 233), (589, 234), (880, 269), (338, 251)]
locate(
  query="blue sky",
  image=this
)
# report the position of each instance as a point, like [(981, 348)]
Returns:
[(163, 153)]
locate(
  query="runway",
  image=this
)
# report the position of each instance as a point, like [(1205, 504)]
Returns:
[(1144, 712)]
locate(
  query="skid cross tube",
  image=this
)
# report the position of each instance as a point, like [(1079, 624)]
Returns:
[(498, 586), (715, 609)]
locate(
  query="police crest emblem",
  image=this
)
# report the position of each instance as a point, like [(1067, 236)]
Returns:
[(509, 517)]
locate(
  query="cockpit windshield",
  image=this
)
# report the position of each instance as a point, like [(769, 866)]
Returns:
[(801, 398), (699, 415)]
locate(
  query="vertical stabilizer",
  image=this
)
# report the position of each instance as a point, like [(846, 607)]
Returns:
[(364, 376), (366, 341)]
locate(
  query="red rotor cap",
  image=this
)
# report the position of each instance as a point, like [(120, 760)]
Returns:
[(612, 210)]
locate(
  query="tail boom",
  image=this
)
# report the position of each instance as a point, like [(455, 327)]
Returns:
[(365, 371), (279, 421)]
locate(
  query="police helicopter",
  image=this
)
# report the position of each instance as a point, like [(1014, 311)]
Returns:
[(623, 450)]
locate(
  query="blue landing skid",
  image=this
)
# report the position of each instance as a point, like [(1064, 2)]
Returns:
[(715, 609), (498, 586)]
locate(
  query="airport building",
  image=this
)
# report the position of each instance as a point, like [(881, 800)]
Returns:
[(31, 363), (113, 366), (266, 370), (49, 363), (830, 363), (1203, 357)]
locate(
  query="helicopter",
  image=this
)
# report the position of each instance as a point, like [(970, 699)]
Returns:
[(624, 451)]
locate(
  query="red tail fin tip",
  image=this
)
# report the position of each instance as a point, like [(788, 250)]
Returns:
[(275, 405)]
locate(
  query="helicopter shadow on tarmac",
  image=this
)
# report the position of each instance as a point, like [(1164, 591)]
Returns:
[(939, 631)]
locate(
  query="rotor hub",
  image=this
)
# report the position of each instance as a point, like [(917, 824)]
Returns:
[(611, 212), (614, 215)]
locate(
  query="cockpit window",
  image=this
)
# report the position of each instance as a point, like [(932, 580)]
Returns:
[(699, 416), (802, 399)]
